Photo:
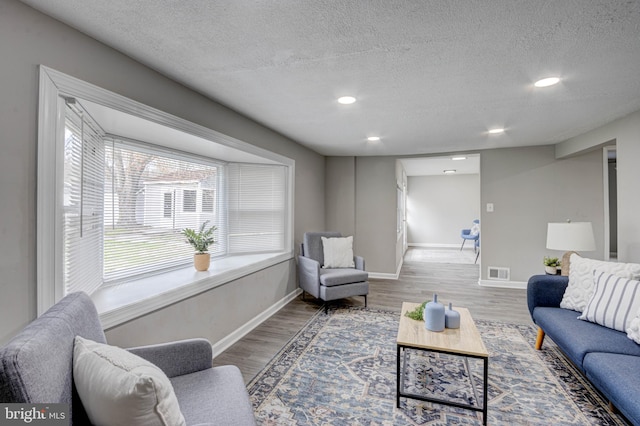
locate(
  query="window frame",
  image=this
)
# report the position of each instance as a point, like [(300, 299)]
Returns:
[(170, 205), (207, 196), (189, 205), (54, 87)]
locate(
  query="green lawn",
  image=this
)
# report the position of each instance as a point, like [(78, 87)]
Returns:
[(125, 249)]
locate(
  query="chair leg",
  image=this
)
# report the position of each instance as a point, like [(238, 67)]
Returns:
[(462, 246), (303, 295), (477, 255), (539, 339), (326, 307), (365, 300)]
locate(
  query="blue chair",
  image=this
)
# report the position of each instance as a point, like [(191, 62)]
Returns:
[(471, 234)]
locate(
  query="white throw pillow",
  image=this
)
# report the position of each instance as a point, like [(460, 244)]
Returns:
[(580, 287), (614, 303), (119, 388), (633, 331), (338, 252)]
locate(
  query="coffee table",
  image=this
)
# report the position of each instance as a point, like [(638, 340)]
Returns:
[(464, 342)]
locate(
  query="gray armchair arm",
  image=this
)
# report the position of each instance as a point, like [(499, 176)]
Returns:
[(178, 358), (359, 261), (309, 275)]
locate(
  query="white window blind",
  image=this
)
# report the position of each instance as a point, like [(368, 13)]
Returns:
[(257, 206), (126, 203), (151, 196), (82, 201)]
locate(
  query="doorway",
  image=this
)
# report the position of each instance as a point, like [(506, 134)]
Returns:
[(610, 203), (443, 197)]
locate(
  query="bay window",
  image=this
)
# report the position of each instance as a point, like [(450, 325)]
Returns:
[(116, 186)]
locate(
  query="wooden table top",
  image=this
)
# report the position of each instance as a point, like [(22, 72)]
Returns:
[(465, 340)]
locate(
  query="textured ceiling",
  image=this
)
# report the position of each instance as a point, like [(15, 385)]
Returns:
[(431, 76)]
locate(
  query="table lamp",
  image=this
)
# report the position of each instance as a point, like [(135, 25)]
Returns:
[(571, 237)]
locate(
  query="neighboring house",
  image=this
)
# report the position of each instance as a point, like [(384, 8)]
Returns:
[(174, 200), (179, 200)]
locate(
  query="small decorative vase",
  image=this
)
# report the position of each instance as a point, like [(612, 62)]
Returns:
[(451, 318), (434, 315), (551, 270), (201, 261)]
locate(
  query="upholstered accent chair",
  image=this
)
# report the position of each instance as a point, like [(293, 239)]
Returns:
[(36, 366), (329, 284), (472, 234)]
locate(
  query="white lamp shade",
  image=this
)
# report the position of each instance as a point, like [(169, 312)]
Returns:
[(573, 236)]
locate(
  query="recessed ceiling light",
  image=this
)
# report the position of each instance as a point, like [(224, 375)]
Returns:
[(546, 82), (459, 158), (373, 138), (346, 100), (496, 131), (449, 172)]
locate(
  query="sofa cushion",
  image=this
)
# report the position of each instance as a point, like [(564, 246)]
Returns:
[(576, 338), (580, 287), (333, 277), (616, 376), (226, 403), (117, 387), (614, 302)]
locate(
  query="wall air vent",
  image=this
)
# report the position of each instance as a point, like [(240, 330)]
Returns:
[(498, 273)]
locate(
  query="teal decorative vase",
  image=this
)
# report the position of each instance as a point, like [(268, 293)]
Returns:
[(451, 318), (434, 315)]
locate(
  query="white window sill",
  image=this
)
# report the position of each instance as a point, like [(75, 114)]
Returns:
[(123, 302)]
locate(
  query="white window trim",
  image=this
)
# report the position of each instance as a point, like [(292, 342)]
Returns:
[(50, 287)]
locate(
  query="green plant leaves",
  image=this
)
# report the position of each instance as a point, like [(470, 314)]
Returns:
[(201, 239)]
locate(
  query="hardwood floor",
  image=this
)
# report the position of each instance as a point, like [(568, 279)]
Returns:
[(419, 280)]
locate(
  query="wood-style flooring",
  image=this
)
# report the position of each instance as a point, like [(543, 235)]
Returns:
[(419, 280)]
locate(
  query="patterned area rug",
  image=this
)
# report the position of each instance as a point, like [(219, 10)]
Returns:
[(340, 369)]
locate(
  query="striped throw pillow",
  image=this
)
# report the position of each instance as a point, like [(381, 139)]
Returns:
[(614, 303)]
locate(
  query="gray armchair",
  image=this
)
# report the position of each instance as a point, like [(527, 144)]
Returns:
[(36, 366), (324, 283)]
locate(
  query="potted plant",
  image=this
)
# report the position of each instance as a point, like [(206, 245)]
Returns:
[(551, 265), (200, 240)]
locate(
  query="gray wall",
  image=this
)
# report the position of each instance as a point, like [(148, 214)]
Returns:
[(376, 213), (29, 38), (361, 195), (625, 132), (340, 199), (530, 188), (438, 207)]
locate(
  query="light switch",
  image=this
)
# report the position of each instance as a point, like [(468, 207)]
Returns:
[(490, 207)]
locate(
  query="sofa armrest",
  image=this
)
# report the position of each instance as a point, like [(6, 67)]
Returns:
[(546, 291), (309, 275), (178, 358), (359, 262)]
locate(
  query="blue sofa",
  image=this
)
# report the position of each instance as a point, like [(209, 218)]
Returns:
[(608, 358)]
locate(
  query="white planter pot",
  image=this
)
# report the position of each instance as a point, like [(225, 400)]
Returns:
[(552, 270)]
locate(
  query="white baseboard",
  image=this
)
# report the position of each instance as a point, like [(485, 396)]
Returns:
[(503, 284), (434, 245), (386, 275), (239, 333)]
